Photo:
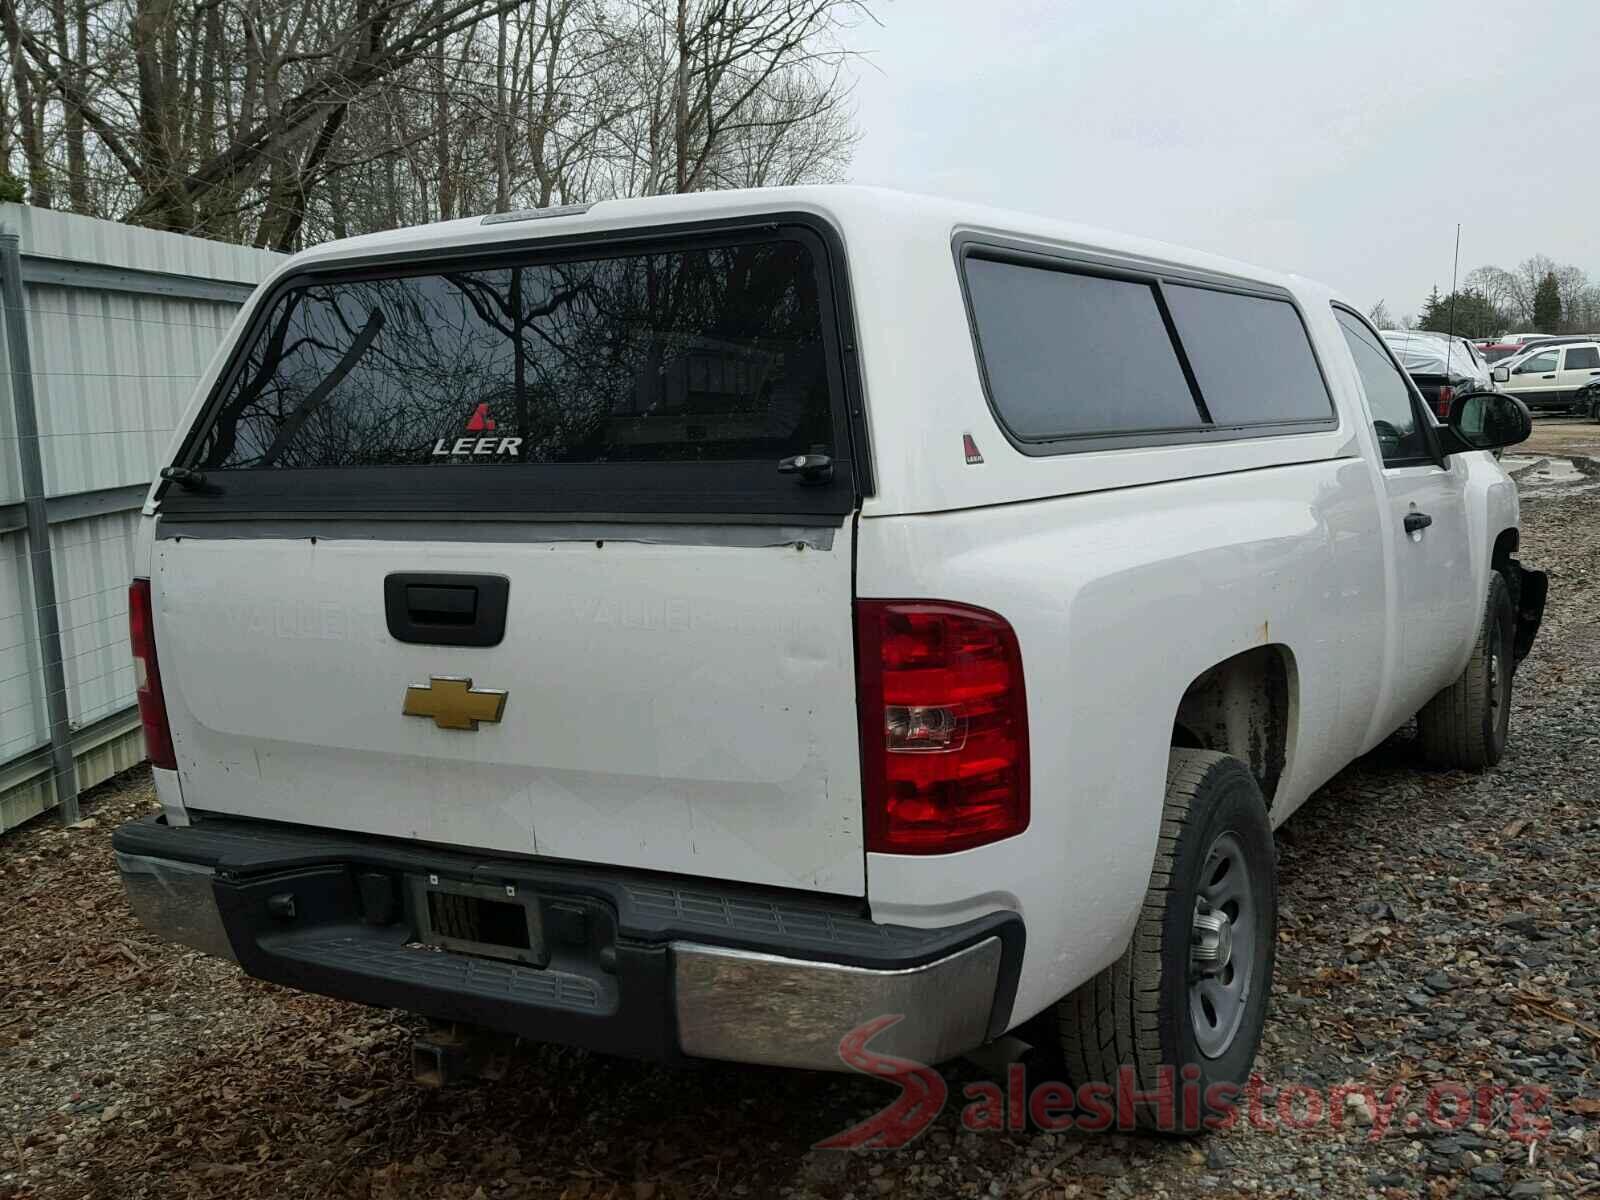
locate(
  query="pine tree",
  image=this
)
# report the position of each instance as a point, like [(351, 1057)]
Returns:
[(1435, 311), (1547, 305)]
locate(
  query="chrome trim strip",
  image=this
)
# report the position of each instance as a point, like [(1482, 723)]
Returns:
[(762, 1008), (175, 901), (502, 527)]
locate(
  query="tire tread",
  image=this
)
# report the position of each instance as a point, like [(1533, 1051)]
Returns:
[(1113, 1020), (1450, 727)]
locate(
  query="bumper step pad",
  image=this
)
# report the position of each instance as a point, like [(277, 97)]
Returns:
[(480, 977)]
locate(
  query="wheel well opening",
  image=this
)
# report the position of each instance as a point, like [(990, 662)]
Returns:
[(1504, 547), (1242, 707)]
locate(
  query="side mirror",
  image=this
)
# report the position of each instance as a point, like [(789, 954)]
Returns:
[(1486, 421), (1501, 374)]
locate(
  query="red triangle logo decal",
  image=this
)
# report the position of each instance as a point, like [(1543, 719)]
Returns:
[(480, 421)]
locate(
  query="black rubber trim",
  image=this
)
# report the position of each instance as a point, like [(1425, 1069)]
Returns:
[(750, 492), (650, 907), (619, 1004), (1532, 588)]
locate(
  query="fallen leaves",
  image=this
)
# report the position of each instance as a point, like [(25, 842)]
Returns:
[(1546, 1007)]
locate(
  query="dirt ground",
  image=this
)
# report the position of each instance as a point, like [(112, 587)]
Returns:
[(1436, 929), (1562, 435)]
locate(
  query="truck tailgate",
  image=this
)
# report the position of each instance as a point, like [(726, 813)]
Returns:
[(680, 707)]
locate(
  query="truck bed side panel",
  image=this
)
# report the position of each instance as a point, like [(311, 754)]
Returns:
[(1120, 600)]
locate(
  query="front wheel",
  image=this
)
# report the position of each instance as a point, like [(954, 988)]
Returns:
[(1466, 725), (1182, 1010)]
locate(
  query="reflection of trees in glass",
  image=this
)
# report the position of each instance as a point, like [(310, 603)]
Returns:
[(712, 353)]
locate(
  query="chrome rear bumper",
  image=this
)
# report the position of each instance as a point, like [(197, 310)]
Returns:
[(174, 900), (745, 1007)]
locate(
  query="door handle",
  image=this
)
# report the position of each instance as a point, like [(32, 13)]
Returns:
[(446, 609), (432, 604), (1415, 522), (1547, 377)]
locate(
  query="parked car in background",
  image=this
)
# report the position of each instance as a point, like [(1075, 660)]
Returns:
[(1494, 349), (1507, 345), (1511, 345), (1587, 401), (1532, 344), (1442, 367), (1552, 376)]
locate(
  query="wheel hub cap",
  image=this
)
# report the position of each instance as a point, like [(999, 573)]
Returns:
[(1212, 947), (1222, 947)]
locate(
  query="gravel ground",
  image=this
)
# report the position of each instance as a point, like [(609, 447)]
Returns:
[(1437, 930), (1553, 434)]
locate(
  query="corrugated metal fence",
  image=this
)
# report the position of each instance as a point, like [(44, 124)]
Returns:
[(116, 325)]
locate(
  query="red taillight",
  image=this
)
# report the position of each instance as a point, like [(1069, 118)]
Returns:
[(147, 675), (944, 726), (1442, 404)]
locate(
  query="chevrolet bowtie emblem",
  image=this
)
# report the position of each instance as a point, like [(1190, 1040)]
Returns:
[(453, 702)]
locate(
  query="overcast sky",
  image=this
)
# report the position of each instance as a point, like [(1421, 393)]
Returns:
[(1342, 141)]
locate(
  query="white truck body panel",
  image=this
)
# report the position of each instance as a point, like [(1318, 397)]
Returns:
[(691, 708), (670, 707), (1281, 564)]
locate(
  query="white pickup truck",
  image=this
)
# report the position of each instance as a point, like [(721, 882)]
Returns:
[(700, 625)]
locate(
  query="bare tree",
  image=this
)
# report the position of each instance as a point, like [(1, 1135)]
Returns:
[(1524, 284), (1571, 285), (799, 129), (1497, 286), (713, 77), (30, 108), (279, 122)]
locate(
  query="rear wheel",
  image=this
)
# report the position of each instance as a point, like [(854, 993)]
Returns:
[(1466, 725), (1182, 1009)]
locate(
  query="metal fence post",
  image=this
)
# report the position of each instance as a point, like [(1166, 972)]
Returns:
[(45, 610)]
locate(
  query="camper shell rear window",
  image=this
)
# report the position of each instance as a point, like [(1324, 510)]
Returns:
[(664, 377)]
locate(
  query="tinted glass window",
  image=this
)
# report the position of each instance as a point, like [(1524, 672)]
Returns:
[(709, 354), (1545, 360), (1394, 417), (1581, 358), (1250, 355), (1070, 354)]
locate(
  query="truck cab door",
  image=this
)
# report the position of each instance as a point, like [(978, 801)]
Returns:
[(1434, 601)]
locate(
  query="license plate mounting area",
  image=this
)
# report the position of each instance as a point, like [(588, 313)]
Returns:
[(487, 920)]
